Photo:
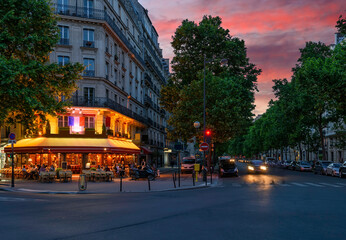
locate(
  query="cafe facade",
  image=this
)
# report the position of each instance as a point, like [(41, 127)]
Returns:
[(80, 139)]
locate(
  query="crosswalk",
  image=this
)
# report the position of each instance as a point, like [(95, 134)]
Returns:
[(292, 184)]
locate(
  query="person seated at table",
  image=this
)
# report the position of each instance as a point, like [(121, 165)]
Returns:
[(25, 172), (42, 169), (99, 168), (52, 168), (107, 168)]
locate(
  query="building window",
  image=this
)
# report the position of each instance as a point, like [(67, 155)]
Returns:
[(89, 64), (89, 122), (107, 43), (89, 96), (88, 8), (63, 121), (64, 35), (107, 70), (107, 94), (63, 60), (115, 98), (62, 6), (88, 38)]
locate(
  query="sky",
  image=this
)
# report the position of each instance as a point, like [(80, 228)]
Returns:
[(273, 30)]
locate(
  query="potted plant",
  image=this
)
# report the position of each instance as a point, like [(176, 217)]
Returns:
[(93, 169), (57, 172)]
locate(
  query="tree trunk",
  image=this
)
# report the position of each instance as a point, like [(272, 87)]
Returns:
[(300, 151), (320, 129)]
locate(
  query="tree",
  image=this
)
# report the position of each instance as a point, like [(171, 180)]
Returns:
[(230, 88), (30, 87), (341, 25)]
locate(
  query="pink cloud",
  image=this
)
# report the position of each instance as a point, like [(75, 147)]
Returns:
[(273, 30)]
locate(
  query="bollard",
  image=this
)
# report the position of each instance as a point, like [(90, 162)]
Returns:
[(205, 177), (193, 178), (179, 178), (121, 183), (158, 172), (82, 183), (148, 183), (211, 175), (174, 180)]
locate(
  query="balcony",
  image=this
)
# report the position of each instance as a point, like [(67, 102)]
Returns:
[(148, 101), (148, 80), (162, 112), (89, 73), (88, 44), (98, 14), (108, 103), (152, 65), (64, 41)]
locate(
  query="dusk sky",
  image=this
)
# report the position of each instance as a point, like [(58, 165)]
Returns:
[(273, 30)]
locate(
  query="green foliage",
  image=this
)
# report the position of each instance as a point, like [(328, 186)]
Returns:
[(29, 85), (229, 89), (341, 25)]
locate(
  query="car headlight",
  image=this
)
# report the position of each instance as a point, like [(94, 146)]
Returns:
[(263, 168), (250, 168)]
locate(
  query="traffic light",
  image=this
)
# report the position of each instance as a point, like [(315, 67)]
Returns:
[(208, 136)]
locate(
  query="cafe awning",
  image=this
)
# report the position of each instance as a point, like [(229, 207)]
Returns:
[(73, 145), (146, 150)]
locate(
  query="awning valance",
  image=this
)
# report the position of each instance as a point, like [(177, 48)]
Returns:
[(74, 145), (146, 150)]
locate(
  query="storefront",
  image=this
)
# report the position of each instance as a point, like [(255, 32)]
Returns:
[(73, 153)]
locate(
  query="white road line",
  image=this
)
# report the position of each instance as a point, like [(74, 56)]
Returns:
[(342, 184), (331, 185), (313, 184), (284, 185), (298, 184)]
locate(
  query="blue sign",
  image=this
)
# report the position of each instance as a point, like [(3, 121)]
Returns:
[(12, 136)]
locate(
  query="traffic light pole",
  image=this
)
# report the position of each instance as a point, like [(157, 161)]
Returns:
[(204, 100)]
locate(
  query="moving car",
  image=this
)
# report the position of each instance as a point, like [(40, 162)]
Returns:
[(333, 169), (227, 167), (304, 166), (321, 167), (257, 166), (342, 170), (188, 164)]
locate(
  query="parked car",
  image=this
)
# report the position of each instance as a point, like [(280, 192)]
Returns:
[(303, 166), (321, 167), (257, 166), (333, 169), (227, 167), (286, 164), (292, 165), (342, 170), (188, 164)]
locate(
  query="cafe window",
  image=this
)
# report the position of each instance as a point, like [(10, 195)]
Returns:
[(63, 121), (89, 122)]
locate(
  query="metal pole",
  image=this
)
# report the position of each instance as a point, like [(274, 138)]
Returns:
[(149, 183), (121, 182), (12, 181), (179, 170), (204, 105)]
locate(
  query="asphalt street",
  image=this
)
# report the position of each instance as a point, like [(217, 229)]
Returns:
[(281, 204)]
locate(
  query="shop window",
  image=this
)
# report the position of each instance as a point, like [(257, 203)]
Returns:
[(89, 122), (63, 121)]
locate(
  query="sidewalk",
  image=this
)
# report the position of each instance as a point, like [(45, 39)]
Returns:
[(163, 183)]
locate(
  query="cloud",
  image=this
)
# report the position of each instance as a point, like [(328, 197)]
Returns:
[(273, 30)]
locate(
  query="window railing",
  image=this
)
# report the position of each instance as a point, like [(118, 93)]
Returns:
[(104, 102), (64, 41), (89, 73), (92, 13), (89, 44)]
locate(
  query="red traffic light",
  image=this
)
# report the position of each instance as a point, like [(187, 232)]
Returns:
[(207, 132)]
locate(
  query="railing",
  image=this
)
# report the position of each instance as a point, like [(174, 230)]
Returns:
[(104, 102), (89, 44), (153, 66), (92, 13), (64, 41), (152, 51), (148, 79), (89, 73), (148, 100)]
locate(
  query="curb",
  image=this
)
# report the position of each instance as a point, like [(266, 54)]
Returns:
[(24, 190)]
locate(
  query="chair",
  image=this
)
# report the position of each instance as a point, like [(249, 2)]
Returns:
[(87, 174), (69, 175), (110, 175), (44, 176)]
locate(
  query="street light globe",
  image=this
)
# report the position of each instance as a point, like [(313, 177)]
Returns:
[(196, 124)]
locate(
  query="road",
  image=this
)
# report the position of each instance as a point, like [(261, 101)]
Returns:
[(279, 205)]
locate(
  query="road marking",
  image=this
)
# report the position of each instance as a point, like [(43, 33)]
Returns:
[(342, 184), (331, 185), (298, 184), (284, 185), (9, 199), (314, 184)]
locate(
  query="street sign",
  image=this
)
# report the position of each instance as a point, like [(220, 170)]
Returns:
[(12, 136), (12, 141), (204, 146)]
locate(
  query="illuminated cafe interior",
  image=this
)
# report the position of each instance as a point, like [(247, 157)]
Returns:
[(80, 140)]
